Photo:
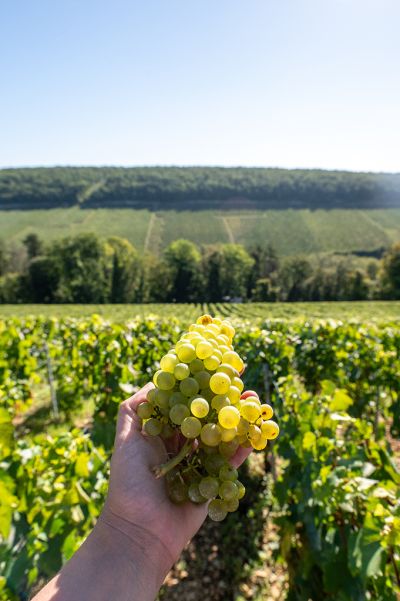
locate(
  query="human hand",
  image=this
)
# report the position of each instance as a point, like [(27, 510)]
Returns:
[(137, 504), (140, 532)]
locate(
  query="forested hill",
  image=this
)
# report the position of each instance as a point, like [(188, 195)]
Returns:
[(195, 188)]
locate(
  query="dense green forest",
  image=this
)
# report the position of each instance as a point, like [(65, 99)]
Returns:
[(89, 269), (158, 188)]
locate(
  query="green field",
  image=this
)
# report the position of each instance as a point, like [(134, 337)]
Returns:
[(289, 231), (380, 311)]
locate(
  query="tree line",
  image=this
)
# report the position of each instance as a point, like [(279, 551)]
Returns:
[(88, 269), (195, 188)]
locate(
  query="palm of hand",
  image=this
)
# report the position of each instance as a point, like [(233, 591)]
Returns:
[(137, 496)]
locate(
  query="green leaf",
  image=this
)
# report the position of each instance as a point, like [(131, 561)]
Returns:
[(309, 441), (6, 433), (70, 544), (366, 556), (341, 401), (328, 387), (81, 465)]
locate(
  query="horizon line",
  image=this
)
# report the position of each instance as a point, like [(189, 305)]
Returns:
[(192, 166)]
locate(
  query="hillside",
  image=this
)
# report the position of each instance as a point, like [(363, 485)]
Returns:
[(290, 232), (191, 188)]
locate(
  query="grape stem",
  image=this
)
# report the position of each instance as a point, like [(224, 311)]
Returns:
[(160, 470)]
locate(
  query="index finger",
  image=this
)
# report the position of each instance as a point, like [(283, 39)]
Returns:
[(240, 456), (139, 397)]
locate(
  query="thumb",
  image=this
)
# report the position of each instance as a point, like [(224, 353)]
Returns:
[(128, 422)]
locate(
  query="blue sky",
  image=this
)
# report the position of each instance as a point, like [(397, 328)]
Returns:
[(291, 83)]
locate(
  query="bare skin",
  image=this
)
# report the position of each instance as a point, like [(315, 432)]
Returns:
[(140, 533)]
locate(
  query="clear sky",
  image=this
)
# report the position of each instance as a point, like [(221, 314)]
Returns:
[(291, 83)]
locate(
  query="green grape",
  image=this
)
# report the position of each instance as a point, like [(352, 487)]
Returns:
[(232, 358), (151, 395), (270, 429), (211, 434), (266, 411), (244, 441), (177, 414), (217, 353), (199, 407), (213, 463), (189, 387), (222, 339), (233, 394), (231, 505), (228, 449), (228, 434), (144, 410), (212, 362), (204, 349), (229, 417), (176, 398), (238, 383), (251, 399), (194, 494), (224, 368), (186, 352), (181, 371), (207, 450), (202, 378), (228, 490), (153, 427), (161, 398), (196, 365), (207, 394), (177, 490), (228, 473), (190, 427), (250, 411), (220, 383), (259, 444), (243, 427), (216, 510), (155, 377), (227, 329), (254, 433), (168, 363), (167, 431), (209, 487), (165, 380), (204, 320), (219, 401), (241, 489), (212, 327), (194, 337)]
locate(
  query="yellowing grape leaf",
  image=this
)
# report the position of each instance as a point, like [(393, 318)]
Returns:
[(341, 401), (309, 441)]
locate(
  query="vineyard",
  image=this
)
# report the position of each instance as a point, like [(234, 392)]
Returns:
[(321, 516), (377, 311)]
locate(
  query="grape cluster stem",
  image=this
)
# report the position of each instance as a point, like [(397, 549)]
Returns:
[(160, 470)]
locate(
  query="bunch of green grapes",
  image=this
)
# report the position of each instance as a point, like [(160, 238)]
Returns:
[(199, 397)]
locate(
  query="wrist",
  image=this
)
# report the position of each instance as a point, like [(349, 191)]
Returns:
[(137, 545)]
